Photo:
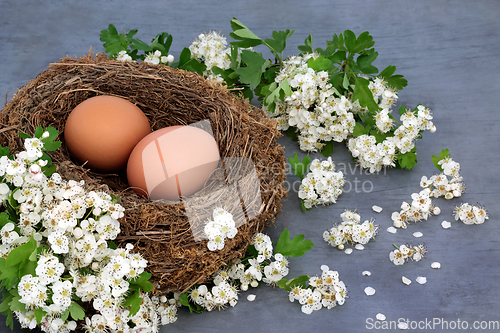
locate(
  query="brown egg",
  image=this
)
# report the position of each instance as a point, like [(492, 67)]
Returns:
[(172, 162), (103, 131)]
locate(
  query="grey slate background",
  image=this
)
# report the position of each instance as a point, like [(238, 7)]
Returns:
[(447, 50)]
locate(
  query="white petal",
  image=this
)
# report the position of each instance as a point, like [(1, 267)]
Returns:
[(359, 247), (251, 297), (436, 211), (369, 291), (366, 273), (417, 234), (436, 265), (348, 251), (376, 208), (421, 280), (392, 230), (446, 224), (380, 316), (406, 280), (402, 325), (325, 268)]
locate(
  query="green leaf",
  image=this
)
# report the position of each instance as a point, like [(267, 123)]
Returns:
[(143, 282), (307, 47), (319, 64), (365, 63), (299, 168), (9, 321), (21, 253), (338, 57), (114, 42), (408, 160), (134, 301), (364, 94), (328, 149), (445, 153), (303, 206), (379, 137), (256, 65), (140, 45), (241, 32), (39, 314), (4, 219), (288, 285), (190, 64), (292, 134), (360, 130), (76, 311), (278, 44), (350, 40), (52, 146), (363, 42), (278, 93), (192, 307), (65, 315), (15, 305), (23, 135), (402, 110), (6, 299), (396, 81), (4, 151), (345, 81), (296, 247), (27, 267), (388, 71)]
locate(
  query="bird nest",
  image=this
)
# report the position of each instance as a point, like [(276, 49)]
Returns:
[(167, 235)]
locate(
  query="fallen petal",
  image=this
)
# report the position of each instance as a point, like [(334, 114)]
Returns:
[(406, 280), (348, 251), (402, 325), (380, 316), (392, 230), (359, 247), (417, 234), (251, 297), (366, 273), (376, 208), (436, 265), (369, 291), (446, 224), (421, 280)]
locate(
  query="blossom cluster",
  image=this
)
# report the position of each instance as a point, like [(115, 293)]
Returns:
[(350, 230), (221, 227), (153, 57), (71, 227), (263, 267), (448, 183), (211, 49), (406, 252), (375, 155), (322, 185), (420, 208), (312, 108), (470, 214), (326, 291)]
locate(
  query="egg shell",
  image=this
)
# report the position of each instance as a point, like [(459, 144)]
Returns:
[(172, 162), (103, 130)]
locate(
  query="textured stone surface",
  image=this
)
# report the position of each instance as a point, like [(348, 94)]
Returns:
[(448, 51)]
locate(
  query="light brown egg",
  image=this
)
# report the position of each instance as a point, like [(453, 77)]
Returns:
[(103, 130), (172, 162)]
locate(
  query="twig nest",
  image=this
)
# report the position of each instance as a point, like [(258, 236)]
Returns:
[(172, 243)]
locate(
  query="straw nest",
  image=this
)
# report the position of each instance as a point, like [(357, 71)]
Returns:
[(162, 233)]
